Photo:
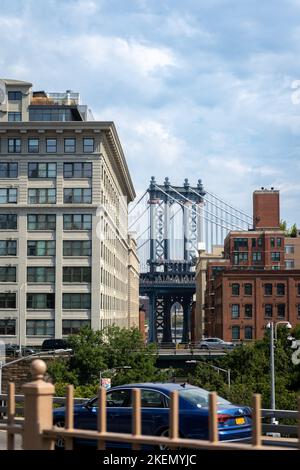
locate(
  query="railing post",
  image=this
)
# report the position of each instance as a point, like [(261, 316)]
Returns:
[(256, 420), (213, 418), (38, 403)]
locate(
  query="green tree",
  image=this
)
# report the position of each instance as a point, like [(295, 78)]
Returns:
[(293, 231), (111, 348), (250, 373)]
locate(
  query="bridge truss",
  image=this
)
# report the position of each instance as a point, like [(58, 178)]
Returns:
[(179, 220)]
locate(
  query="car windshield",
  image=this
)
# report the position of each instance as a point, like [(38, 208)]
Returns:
[(199, 397)]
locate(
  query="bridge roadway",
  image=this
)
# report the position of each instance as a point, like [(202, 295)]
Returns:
[(171, 357)]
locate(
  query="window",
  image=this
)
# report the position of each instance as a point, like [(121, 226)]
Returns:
[(259, 242), (8, 274), (50, 114), (77, 221), (235, 289), (33, 145), (272, 242), (76, 301), (118, 398), (51, 145), (268, 310), (8, 221), (8, 195), (8, 300), (41, 248), (77, 248), (253, 242), (14, 95), (256, 256), (240, 243), (8, 170), (278, 242), (42, 196), (235, 311), (275, 255), (248, 289), (268, 289), (41, 222), (248, 332), (280, 289), (289, 249), (240, 257), (298, 310), (70, 145), (235, 332), (289, 264), (7, 327), (41, 274), (281, 310), (77, 196), (77, 170), (152, 399), (88, 145), (298, 289), (14, 117), (76, 274), (72, 327), (40, 327), (40, 301), (41, 170), (8, 247), (248, 310), (14, 145)]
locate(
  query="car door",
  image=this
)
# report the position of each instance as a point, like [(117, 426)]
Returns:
[(117, 409), (155, 411), (118, 403)]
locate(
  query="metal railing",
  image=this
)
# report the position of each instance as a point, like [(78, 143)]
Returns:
[(38, 432)]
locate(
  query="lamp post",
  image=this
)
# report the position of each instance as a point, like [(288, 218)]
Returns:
[(227, 371), (113, 370), (273, 339)]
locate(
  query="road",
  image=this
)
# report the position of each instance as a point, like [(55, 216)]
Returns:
[(18, 441)]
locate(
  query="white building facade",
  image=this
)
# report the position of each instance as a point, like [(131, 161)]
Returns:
[(64, 193)]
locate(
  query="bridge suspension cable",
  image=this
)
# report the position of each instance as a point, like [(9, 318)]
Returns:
[(138, 218), (222, 208), (140, 199), (208, 212), (228, 205), (195, 211)]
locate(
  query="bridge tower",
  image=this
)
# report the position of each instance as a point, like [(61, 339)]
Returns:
[(170, 280)]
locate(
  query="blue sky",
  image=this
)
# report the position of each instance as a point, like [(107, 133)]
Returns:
[(197, 89)]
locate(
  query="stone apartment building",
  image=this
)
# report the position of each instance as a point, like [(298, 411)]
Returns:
[(254, 284), (66, 259)]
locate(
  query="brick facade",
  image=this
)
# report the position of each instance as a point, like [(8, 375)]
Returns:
[(254, 283), (245, 301)]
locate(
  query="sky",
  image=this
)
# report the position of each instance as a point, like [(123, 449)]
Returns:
[(204, 89)]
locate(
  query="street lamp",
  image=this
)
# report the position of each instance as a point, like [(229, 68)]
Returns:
[(113, 370), (273, 337), (227, 371)]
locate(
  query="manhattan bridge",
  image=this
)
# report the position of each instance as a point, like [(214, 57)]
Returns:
[(171, 224)]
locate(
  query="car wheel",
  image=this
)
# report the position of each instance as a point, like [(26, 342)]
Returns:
[(164, 447), (59, 442), (204, 346)]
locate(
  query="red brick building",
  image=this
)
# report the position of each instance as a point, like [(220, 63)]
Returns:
[(241, 303), (253, 286)]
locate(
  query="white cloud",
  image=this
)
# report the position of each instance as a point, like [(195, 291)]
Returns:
[(99, 50)]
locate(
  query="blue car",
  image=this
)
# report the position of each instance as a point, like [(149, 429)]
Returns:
[(234, 422)]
